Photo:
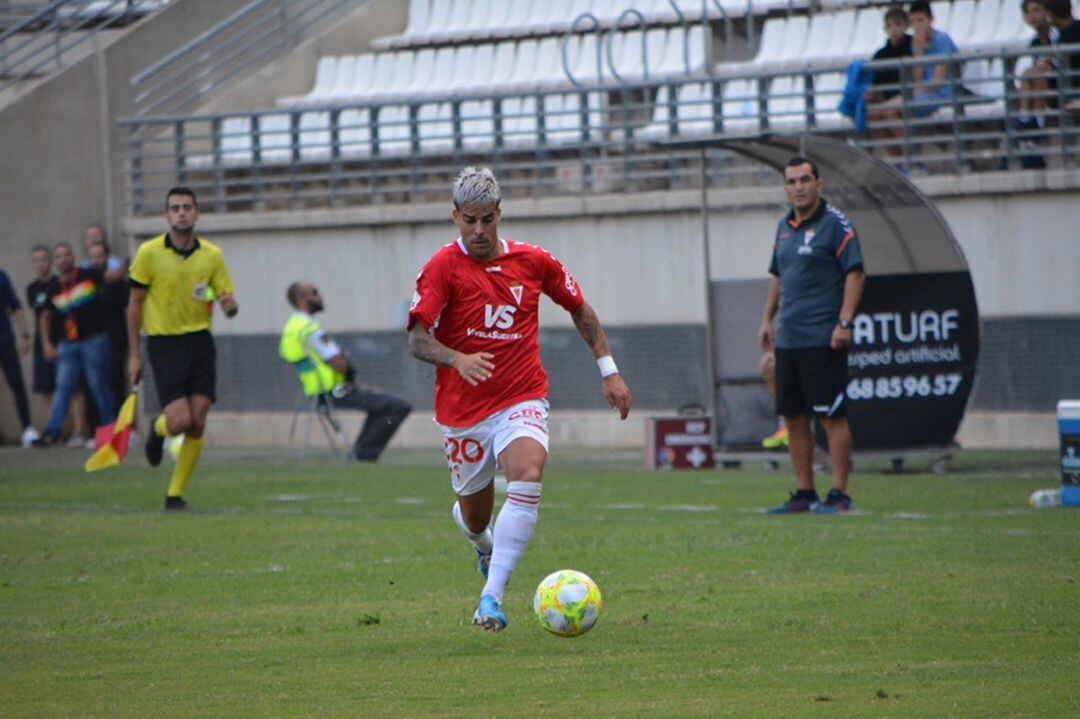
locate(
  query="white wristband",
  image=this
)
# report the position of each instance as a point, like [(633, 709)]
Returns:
[(607, 366)]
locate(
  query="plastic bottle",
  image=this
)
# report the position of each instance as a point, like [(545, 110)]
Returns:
[(1045, 498)]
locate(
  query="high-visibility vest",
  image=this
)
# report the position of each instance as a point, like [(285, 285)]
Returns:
[(316, 376)]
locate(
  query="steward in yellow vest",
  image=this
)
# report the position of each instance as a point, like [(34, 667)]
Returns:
[(324, 371), (303, 341)]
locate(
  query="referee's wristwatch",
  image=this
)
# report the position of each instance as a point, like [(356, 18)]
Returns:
[(844, 324)]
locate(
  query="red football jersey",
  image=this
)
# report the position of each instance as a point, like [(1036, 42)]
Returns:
[(490, 307)]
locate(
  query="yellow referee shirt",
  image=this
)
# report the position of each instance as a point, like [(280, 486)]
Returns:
[(177, 298)]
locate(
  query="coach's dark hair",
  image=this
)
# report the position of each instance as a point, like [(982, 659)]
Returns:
[(293, 294), (800, 160), (181, 190), (1058, 8), (898, 13), (920, 6)]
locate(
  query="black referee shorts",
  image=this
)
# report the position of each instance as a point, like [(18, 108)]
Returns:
[(811, 382), (184, 365)]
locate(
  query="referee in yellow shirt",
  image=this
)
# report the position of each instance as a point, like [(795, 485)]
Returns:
[(174, 280)]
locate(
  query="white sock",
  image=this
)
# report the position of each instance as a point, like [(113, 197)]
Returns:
[(513, 530), (481, 541)]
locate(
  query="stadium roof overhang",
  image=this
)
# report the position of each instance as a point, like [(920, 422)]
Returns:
[(898, 226)]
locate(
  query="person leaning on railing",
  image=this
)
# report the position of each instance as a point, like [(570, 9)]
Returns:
[(932, 86), (1061, 17)]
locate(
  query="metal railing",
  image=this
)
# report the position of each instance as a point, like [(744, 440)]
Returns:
[(249, 38), (597, 138), (39, 44)]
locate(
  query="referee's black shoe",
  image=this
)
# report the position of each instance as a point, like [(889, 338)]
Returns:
[(175, 504), (155, 447)]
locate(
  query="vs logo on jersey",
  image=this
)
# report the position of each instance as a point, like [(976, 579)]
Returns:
[(500, 316)]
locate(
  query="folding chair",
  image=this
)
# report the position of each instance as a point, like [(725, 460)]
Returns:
[(321, 409)]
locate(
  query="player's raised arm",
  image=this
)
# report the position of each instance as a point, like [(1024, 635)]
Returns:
[(615, 390), (474, 368)]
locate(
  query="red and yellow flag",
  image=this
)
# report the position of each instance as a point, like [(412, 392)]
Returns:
[(112, 440)]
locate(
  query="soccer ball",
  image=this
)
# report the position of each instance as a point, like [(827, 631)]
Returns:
[(567, 603)]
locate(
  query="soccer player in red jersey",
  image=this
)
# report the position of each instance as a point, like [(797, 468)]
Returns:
[(475, 317)]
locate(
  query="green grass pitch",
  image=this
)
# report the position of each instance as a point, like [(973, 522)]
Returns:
[(330, 590)]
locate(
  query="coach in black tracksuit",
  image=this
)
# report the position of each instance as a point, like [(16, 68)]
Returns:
[(817, 282)]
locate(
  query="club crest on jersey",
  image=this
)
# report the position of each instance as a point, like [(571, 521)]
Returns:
[(517, 290), (806, 249)]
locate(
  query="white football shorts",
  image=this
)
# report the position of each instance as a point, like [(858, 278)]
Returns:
[(472, 452)]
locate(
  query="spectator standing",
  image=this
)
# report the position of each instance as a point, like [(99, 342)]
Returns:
[(816, 285), (83, 349), (37, 297), (9, 355), (325, 373), (115, 267), (114, 297)]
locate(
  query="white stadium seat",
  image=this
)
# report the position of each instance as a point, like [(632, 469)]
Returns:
[(354, 133), (659, 125), (787, 104), (434, 128), (867, 35), (236, 141), (828, 89), (315, 135), (819, 35), (423, 71), (324, 81), (961, 21), (275, 137), (394, 131), (840, 35), (519, 121), (694, 110), (985, 24), (740, 106)]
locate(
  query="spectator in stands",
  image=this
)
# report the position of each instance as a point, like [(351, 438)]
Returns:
[(9, 355), (1061, 17), (1035, 82), (325, 373), (37, 297), (114, 297), (83, 350), (116, 268), (932, 85), (816, 285), (885, 82)]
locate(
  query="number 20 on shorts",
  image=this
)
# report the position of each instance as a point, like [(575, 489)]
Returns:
[(466, 450)]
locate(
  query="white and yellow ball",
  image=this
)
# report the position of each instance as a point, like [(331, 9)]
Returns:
[(567, 603)]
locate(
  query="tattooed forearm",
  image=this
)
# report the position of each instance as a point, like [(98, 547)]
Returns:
[(588, 325), (424, 346)]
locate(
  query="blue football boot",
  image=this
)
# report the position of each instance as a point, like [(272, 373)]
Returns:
[(489, 616)]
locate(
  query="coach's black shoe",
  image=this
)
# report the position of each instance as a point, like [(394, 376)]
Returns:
[(800, 502), (175, 504), (155, 447), (836, 502)]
